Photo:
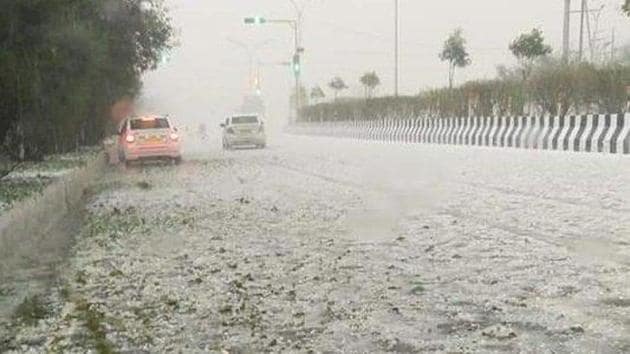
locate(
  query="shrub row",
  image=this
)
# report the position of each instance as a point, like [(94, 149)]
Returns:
[(550, 87)]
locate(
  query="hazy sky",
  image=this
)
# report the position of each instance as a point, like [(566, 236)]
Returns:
[(207, 74)]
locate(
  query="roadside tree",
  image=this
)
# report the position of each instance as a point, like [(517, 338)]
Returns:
[(317, 94), (370, 81), (454, 52), (527, 48), (337, 85)]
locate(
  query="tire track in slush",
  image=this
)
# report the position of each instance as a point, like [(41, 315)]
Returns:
[(534, 233)]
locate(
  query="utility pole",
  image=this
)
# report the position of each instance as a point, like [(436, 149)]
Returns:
[(566, 31), (396, 47), (582, 18), (588, 29), (612, 46), (297, 62), (293, 24)]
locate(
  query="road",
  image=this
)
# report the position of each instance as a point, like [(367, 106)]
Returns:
[(327, 245)]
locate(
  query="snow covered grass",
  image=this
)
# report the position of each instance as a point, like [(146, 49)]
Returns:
[(30, 178)]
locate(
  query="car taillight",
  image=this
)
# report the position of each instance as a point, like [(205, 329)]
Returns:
[(130, 138), (230, 131), (174, 136)]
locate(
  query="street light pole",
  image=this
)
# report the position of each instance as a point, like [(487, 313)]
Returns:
[(294, 25), (297, 51), (251, 51), (566, 32), (396, 48), (297, 33)]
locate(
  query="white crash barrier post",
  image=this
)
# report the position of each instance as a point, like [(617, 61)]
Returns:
[(609, 133)]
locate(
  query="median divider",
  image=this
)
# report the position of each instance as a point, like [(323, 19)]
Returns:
[(25, 236), (603, 133)]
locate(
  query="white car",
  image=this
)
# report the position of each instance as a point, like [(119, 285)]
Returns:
[(147, 138), (244, 130)]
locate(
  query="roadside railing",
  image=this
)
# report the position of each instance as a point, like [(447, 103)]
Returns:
[(605, 133)]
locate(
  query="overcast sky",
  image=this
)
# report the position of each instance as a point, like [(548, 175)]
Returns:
[(208, 74)]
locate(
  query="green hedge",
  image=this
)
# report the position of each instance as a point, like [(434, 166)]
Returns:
[(551, 88)]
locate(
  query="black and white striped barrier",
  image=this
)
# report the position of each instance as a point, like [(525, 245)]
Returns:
[(609, 133)]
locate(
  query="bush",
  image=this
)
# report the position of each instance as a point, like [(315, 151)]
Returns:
[(552, 88)]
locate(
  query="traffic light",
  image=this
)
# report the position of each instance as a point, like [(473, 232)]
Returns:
[(256, 20), (297, 66)]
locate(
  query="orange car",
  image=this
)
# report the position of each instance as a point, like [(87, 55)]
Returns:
[(148, 138)]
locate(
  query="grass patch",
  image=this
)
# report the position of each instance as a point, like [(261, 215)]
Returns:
[(15, 190), (95, 324), (117, 222), (31, 310), (54, 163)]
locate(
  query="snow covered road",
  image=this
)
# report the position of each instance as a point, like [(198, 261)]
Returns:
[(328, 245)]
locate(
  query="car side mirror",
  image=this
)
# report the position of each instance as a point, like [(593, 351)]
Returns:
[(175, 129), (222, 125)]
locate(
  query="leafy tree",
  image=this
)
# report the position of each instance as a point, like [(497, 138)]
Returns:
[(65, 63), (527, 48), (370, 81), (454, 52), (317, 94), (337, 85), (626, 7)]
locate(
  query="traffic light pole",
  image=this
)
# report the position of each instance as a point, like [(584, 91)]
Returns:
[(294, 24), (296, 70)]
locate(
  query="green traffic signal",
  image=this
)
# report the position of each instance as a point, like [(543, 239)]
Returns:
[(257, 20), (297, 67)]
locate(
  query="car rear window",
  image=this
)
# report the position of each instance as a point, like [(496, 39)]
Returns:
[(157, 123), (244, 120)]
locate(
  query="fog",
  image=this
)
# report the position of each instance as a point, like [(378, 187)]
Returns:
[(207, 74)]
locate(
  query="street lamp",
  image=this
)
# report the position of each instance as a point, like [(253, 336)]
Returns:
[(298, 50), (396, 47)]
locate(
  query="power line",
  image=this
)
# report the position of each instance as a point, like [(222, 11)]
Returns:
[(386, 39)]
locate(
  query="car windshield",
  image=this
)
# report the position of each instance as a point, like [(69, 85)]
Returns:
[(245, 120), (156, 123)]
